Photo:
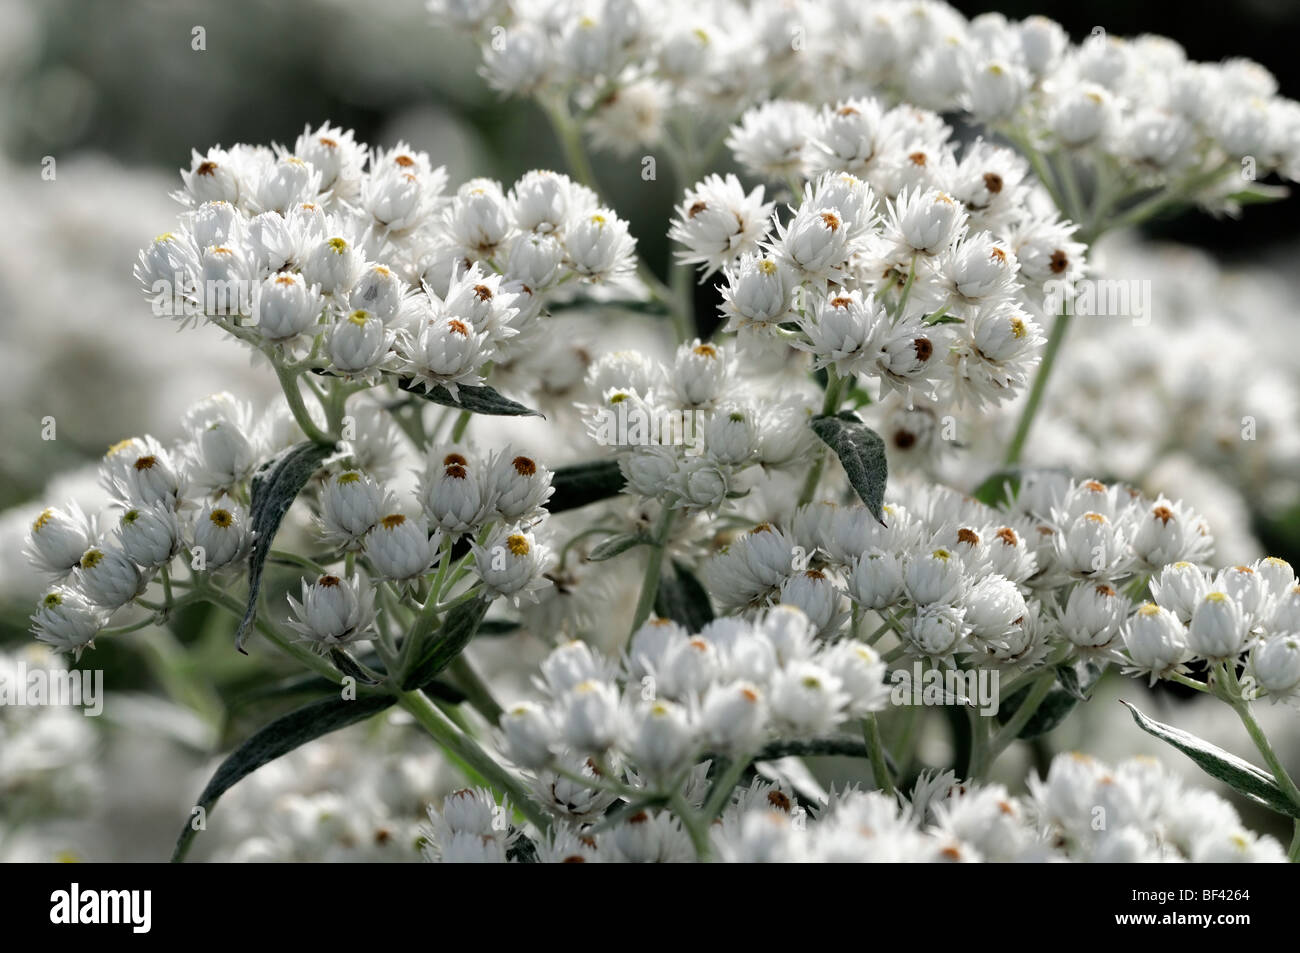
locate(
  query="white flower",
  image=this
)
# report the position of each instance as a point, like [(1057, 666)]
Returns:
[(1169, 532), (150, 535), (56, 540), (600, 247), (220, 453), (934, 577), (733, 717), (845, 330), (518, 484), (530, 734), (700, 373), (995, 610), (455, 492), (333, 265), (351, 503), (107, 577), (400, 548), (758, 292), (1093, 615), (1180, 588), (813, 592), (877, 580), (589, 716), (66, 621), (221, 531), (511, 563), (1275, 663), (806, 700), (1093, 545), (1156, 641), (285, 306), (1217, 631), (935, 630), (814, 244), (333, 611), (770, 139), (139, 470), (731, 437), (445, 352), (660, 739), (358, 342), (698, 484), (861, 672), (718, 222), (924, 222)]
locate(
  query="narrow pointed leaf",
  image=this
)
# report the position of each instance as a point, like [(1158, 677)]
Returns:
[(1239, 774), (584, 483), (614, 545), (683, 599), (275, 486), (477, 400), (458, 629), (275, 740)]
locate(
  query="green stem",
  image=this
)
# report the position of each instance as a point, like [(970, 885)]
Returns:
[(653, 568), (723, 785), (570, 136), (462, 422), (876, 751), (303, 655), (289, 384), (1008, 732), (1257, 735), (1293, 854), (699, 834), (475, 689), (830, 404), (449, 737), (1026, 421)]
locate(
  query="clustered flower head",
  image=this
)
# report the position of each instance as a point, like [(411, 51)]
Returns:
[(729, 688), (912, 271), (188, 506), (1058, 573), (358, 260), (1139, 111), (1082, 811)]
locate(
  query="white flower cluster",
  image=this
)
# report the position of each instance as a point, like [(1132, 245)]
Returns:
[(685, 433), (921, 271), (357, 262), (192, 499), (1082, 811), (728, 689), (1218, 617), (952, 576), (1138, 109), (189, 498)]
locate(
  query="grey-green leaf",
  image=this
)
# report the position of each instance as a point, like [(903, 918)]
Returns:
[(275, 740), (683, 599), (275, 486), (614, 545), (861, 453), (477, 400), (584, 483), (458, 629), (1239, 774)]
